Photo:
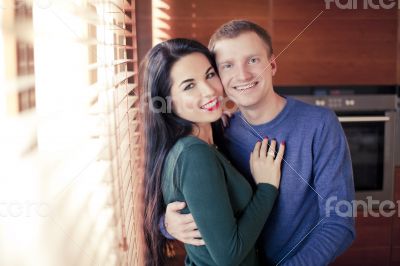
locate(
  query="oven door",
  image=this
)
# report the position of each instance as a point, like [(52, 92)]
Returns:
[(371, 141)]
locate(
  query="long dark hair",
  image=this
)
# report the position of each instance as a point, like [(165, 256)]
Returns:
[(162, 128)]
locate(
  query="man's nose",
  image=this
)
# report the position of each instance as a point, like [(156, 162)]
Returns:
[(244, 74)]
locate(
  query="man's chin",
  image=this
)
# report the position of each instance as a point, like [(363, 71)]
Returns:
[(245, 104)]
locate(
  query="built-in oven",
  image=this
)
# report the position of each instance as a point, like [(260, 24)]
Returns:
[(369, 119)]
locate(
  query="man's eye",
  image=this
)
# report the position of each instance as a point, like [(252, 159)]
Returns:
[(210, 75), (253, 60), (226, 66), (189, 86)]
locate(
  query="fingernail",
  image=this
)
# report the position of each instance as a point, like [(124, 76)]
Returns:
[(283, 142)]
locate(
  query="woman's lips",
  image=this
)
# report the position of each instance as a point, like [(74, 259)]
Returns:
[(211, 105)]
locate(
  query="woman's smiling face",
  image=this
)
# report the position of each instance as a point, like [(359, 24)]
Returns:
[(196, 90)]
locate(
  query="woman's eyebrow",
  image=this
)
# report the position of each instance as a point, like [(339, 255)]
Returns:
[(185, 81), (191, 80)]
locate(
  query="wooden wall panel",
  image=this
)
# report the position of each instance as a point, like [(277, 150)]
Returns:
[(341, 46), (199, 19)]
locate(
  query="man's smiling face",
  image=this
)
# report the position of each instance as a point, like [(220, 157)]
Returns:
[(245, 69)]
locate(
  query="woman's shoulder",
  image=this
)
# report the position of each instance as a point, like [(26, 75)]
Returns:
[(186, 151), (188, 144)]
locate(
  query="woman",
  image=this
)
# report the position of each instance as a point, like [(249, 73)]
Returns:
[(184, 95)]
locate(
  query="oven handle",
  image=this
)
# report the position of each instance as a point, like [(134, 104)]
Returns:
[(351, 119)]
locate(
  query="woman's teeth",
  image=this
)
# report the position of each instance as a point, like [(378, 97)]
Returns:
[(245, 87), (210, 105)]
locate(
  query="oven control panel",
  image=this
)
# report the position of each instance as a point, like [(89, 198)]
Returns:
[(335, 102), (353, 102)]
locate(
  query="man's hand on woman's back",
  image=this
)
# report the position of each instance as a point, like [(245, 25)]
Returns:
[(182, 226)]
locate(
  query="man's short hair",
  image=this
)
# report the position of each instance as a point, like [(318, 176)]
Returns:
[(234, 28)]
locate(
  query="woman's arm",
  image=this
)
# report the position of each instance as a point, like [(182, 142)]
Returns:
[(203, 185)]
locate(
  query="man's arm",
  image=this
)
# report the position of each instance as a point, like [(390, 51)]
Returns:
[(180, 226), (333, 180)]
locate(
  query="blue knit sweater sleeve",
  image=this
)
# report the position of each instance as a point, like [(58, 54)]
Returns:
[(334, 184)]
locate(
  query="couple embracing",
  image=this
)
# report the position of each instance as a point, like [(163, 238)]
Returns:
[(254, 191)]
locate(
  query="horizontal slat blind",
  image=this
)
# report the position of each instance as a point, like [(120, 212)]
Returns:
[(84, 137)]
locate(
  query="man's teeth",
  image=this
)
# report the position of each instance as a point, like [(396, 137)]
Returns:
[(210, 105), (248, 86)]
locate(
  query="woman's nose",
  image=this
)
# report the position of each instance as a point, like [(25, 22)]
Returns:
[(207, 89)]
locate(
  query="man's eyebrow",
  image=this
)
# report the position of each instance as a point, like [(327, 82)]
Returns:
[(230, 60), (225, 61), (185, 81)]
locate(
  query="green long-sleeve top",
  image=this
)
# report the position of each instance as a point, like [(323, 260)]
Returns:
[(228, 214)]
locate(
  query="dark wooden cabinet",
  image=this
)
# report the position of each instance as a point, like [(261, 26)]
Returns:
[(378, 239), (398, 47), (372, 245), (396, 223)]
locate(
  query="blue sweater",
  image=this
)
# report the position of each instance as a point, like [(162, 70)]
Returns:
[(303, 228)]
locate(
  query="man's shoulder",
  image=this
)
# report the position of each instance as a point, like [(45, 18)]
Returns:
[(235, 123), (295, 112), (309, 111), (299, 105)]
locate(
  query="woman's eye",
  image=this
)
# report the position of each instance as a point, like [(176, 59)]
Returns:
[(210, 75), (189, 86)]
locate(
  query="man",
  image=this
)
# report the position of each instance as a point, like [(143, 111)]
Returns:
[(303, 229)]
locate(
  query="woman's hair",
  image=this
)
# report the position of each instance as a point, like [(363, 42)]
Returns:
[(162, 128)]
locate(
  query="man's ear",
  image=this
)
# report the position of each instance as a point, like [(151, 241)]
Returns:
[(274, 66)]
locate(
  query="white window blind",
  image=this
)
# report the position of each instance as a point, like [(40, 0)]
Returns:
[(77, 61)]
